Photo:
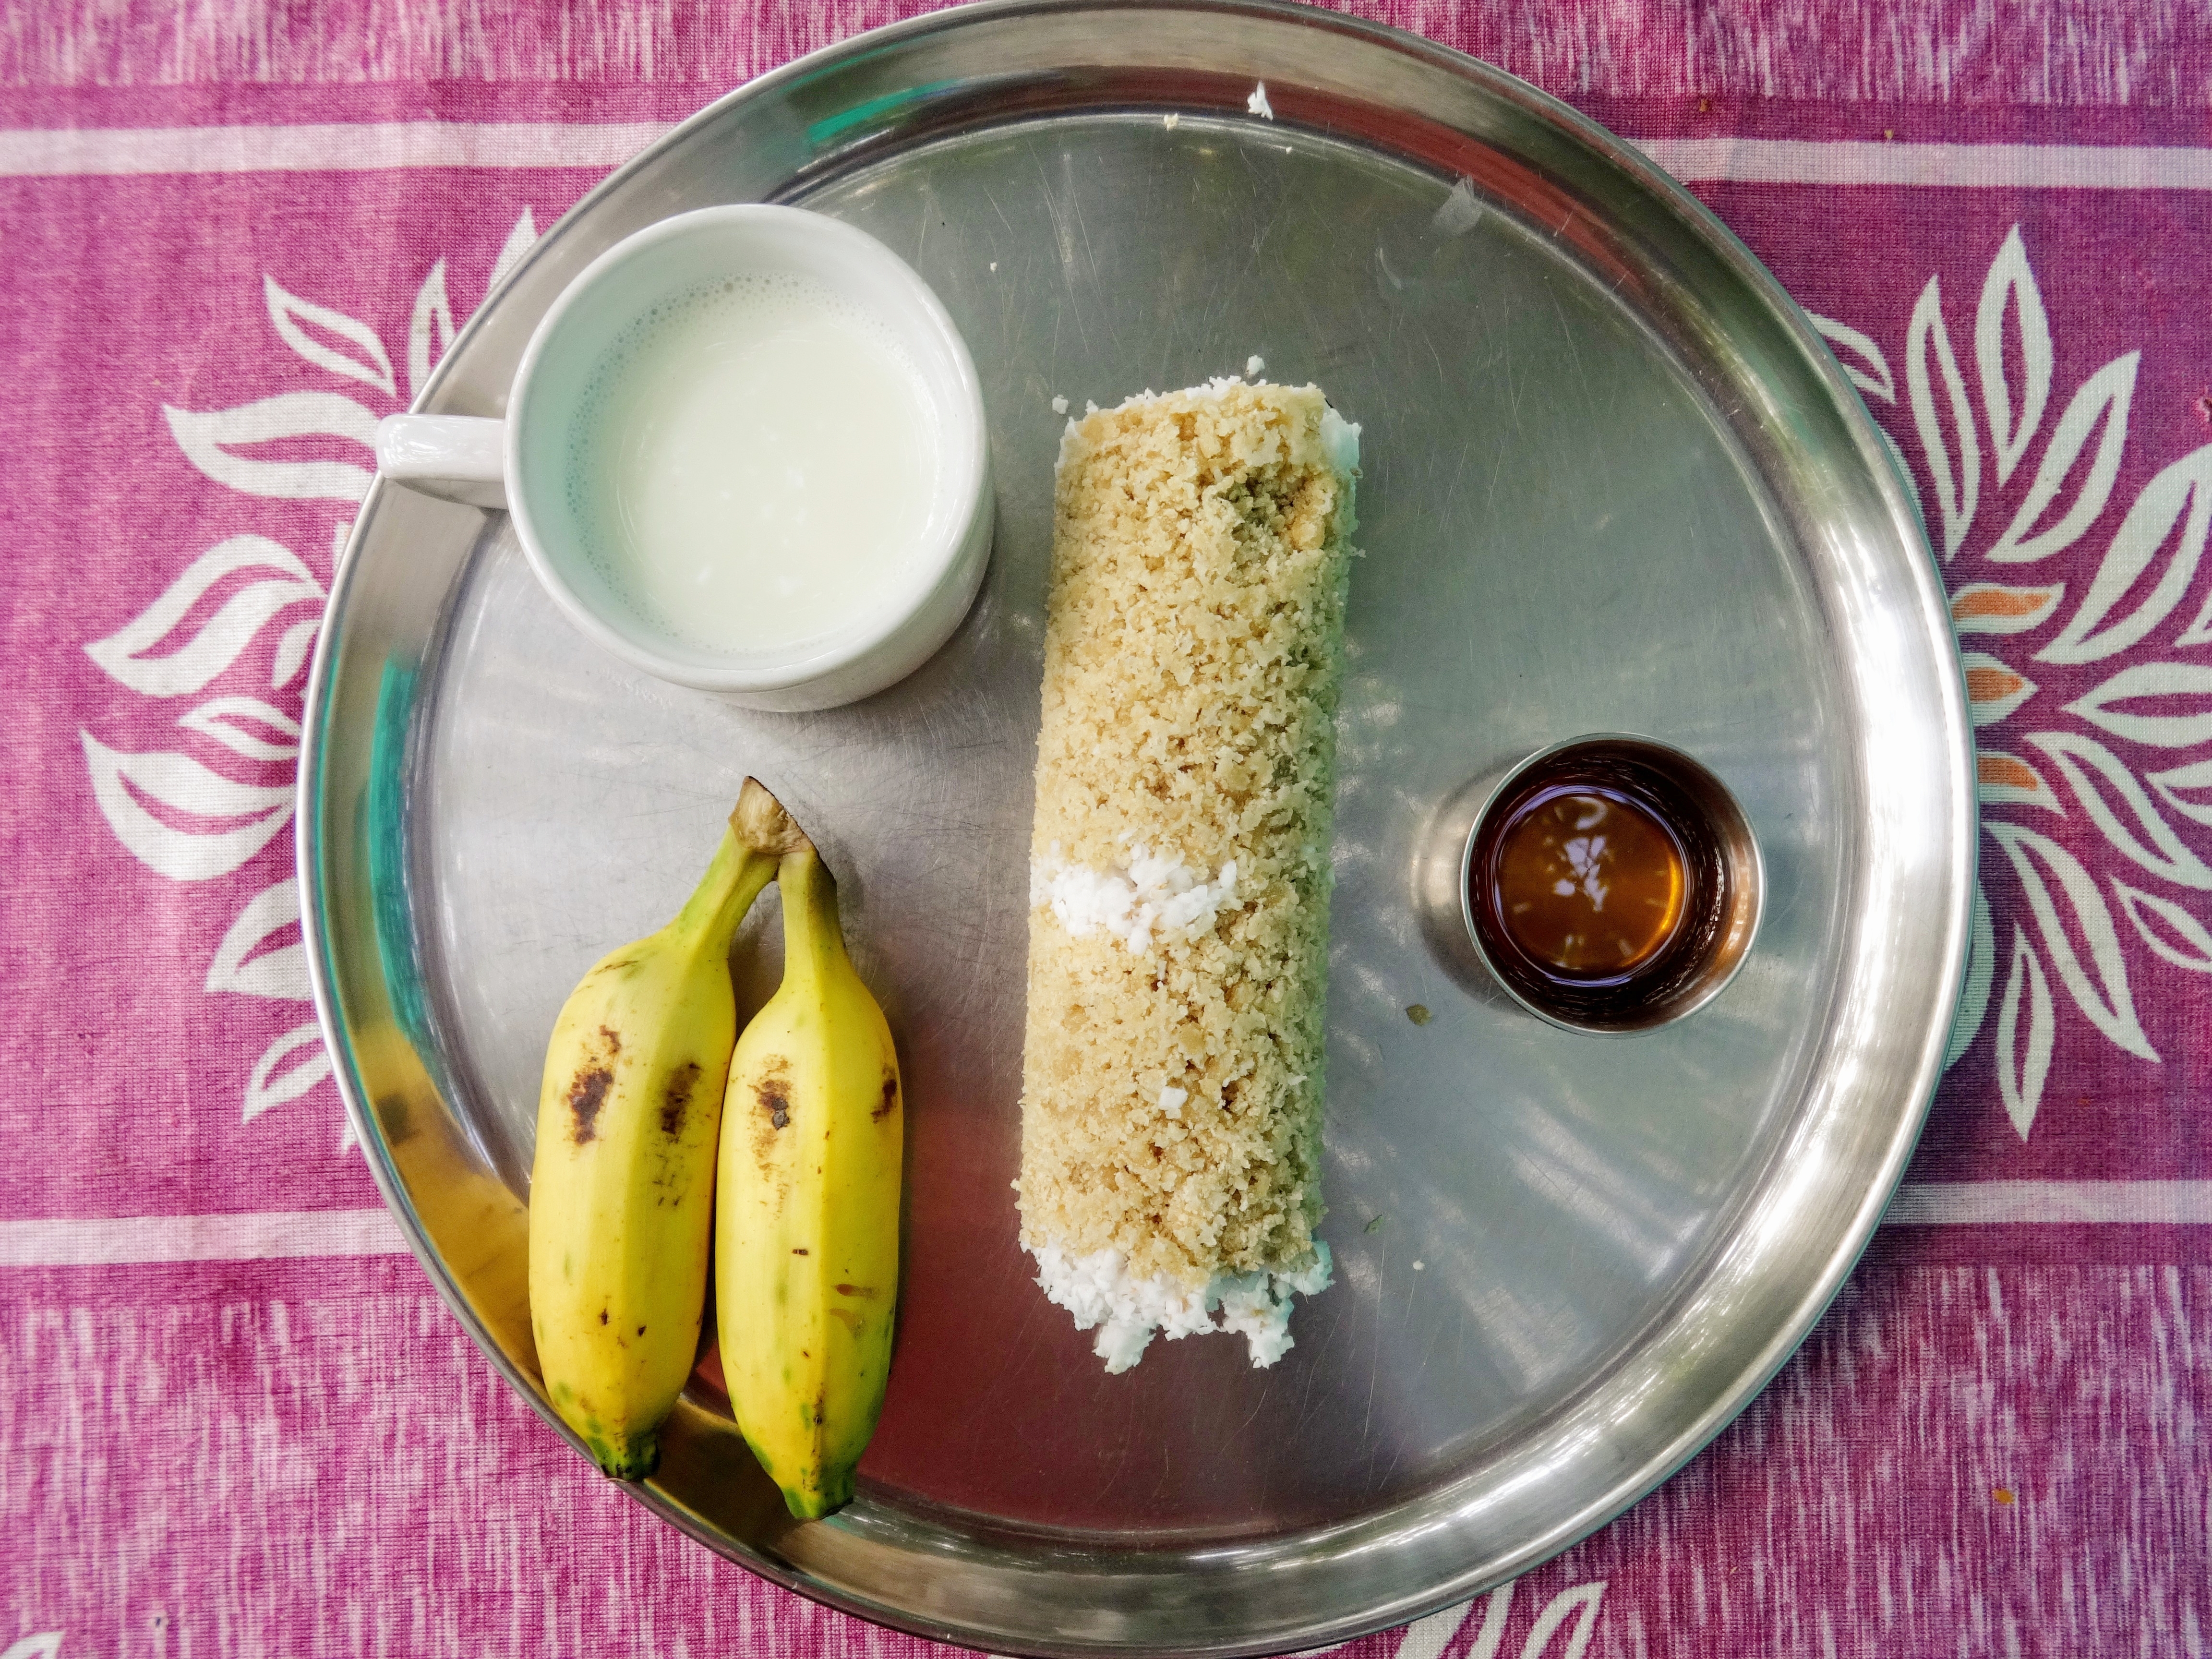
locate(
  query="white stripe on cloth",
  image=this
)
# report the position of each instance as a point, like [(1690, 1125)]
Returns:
[(1981, 1203), (252, 1237), (1969, 167), (376, 146), (367, 147)]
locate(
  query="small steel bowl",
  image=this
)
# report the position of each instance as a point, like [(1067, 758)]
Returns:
[(1455, 928)]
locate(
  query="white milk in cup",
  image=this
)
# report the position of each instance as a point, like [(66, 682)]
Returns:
[(752, 463)]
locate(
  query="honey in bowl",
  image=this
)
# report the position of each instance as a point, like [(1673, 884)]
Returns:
[(1611, 883), (1588, 882)]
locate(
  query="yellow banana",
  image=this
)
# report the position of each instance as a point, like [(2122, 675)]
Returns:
[(621, 1194), (806, 1209)]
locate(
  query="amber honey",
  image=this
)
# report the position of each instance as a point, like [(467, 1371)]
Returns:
[(1589, 883), (1598, 883)]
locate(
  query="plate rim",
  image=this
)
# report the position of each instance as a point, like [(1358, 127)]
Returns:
[(1883, 466)]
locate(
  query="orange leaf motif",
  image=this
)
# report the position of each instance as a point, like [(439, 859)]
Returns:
[(1993, 689), (1992, 608), (1992, 684), (2009, 778)]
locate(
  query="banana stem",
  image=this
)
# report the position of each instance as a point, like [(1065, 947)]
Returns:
[(812, 941), (760, 822), (761, 833), (727, 890)]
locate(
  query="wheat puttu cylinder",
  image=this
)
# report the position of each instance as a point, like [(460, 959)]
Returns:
[(1179, 884)]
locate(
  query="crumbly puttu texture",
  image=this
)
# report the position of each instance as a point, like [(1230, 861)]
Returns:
[(1180, 863)]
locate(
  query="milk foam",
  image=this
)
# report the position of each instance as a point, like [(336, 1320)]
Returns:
[(752, 464)]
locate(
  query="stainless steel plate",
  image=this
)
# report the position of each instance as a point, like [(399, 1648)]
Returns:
[(1613, 482)]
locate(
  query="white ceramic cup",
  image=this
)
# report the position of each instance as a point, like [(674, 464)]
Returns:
[(523, 463)]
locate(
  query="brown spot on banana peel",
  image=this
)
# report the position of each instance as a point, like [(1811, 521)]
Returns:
[(772, 1113), (585, 1096), (773, 1093), (889, 1104), (675, 1097), (846, 1317), (866, 1292)]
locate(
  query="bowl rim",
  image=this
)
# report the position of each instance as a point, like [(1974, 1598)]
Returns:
[(1750, 875)]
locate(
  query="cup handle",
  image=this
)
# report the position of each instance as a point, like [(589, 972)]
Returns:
[(456, 458)]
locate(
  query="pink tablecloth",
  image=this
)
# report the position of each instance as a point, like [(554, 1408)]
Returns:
[(233, 1418)]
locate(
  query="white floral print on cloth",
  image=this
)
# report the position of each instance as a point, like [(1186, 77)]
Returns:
[(178, 814), (2087, 705)]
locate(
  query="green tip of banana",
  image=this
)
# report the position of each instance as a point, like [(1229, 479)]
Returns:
[(813, 1503), (634, 1460)]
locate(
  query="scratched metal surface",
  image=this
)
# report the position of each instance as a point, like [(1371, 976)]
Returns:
[(1610, 485)]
